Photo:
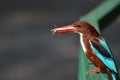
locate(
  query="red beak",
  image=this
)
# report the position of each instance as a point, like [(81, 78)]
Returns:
[(64, 29)]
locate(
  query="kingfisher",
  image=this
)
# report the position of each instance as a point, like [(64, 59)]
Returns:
[(94, 46)]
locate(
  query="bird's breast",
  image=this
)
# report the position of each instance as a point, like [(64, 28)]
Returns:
[(83, 44)]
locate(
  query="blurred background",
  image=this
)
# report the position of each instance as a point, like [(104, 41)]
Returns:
[(28, 51)]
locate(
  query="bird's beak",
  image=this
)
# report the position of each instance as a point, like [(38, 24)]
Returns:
[(64, 29)]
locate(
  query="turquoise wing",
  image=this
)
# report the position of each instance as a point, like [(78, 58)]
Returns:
[(104, 54)]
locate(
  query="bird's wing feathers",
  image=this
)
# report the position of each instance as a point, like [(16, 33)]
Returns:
[(101, 49), (103, 52)]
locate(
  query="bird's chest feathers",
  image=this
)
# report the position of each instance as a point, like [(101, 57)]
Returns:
[(83, 45)]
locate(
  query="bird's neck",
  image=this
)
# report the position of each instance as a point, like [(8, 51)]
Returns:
[(91, 33), (84, 39)]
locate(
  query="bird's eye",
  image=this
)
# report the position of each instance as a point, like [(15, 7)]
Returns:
[(78, 26)]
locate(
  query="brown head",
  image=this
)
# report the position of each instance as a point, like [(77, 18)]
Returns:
[(80, 27)]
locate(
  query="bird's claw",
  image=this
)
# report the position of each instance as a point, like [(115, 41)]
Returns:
[(97, 69)]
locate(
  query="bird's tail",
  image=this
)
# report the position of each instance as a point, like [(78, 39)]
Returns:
[(115, 76), (112, 75)]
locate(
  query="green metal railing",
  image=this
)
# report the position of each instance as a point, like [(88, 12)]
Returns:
[(100, 17)]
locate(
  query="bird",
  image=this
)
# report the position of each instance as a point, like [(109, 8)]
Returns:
[(94, 46)]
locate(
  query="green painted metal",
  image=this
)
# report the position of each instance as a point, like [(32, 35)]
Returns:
[(94, 17)]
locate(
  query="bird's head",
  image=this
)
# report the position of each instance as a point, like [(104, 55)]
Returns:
[(80, 27)]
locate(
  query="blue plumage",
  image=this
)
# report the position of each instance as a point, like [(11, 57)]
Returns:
[(105, 55), (105, 45), (114, 76), (108, 61)]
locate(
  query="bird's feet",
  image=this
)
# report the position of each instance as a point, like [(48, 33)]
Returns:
[(95, 70)]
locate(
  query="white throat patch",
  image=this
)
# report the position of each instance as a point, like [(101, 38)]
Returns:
[(81, 40)]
